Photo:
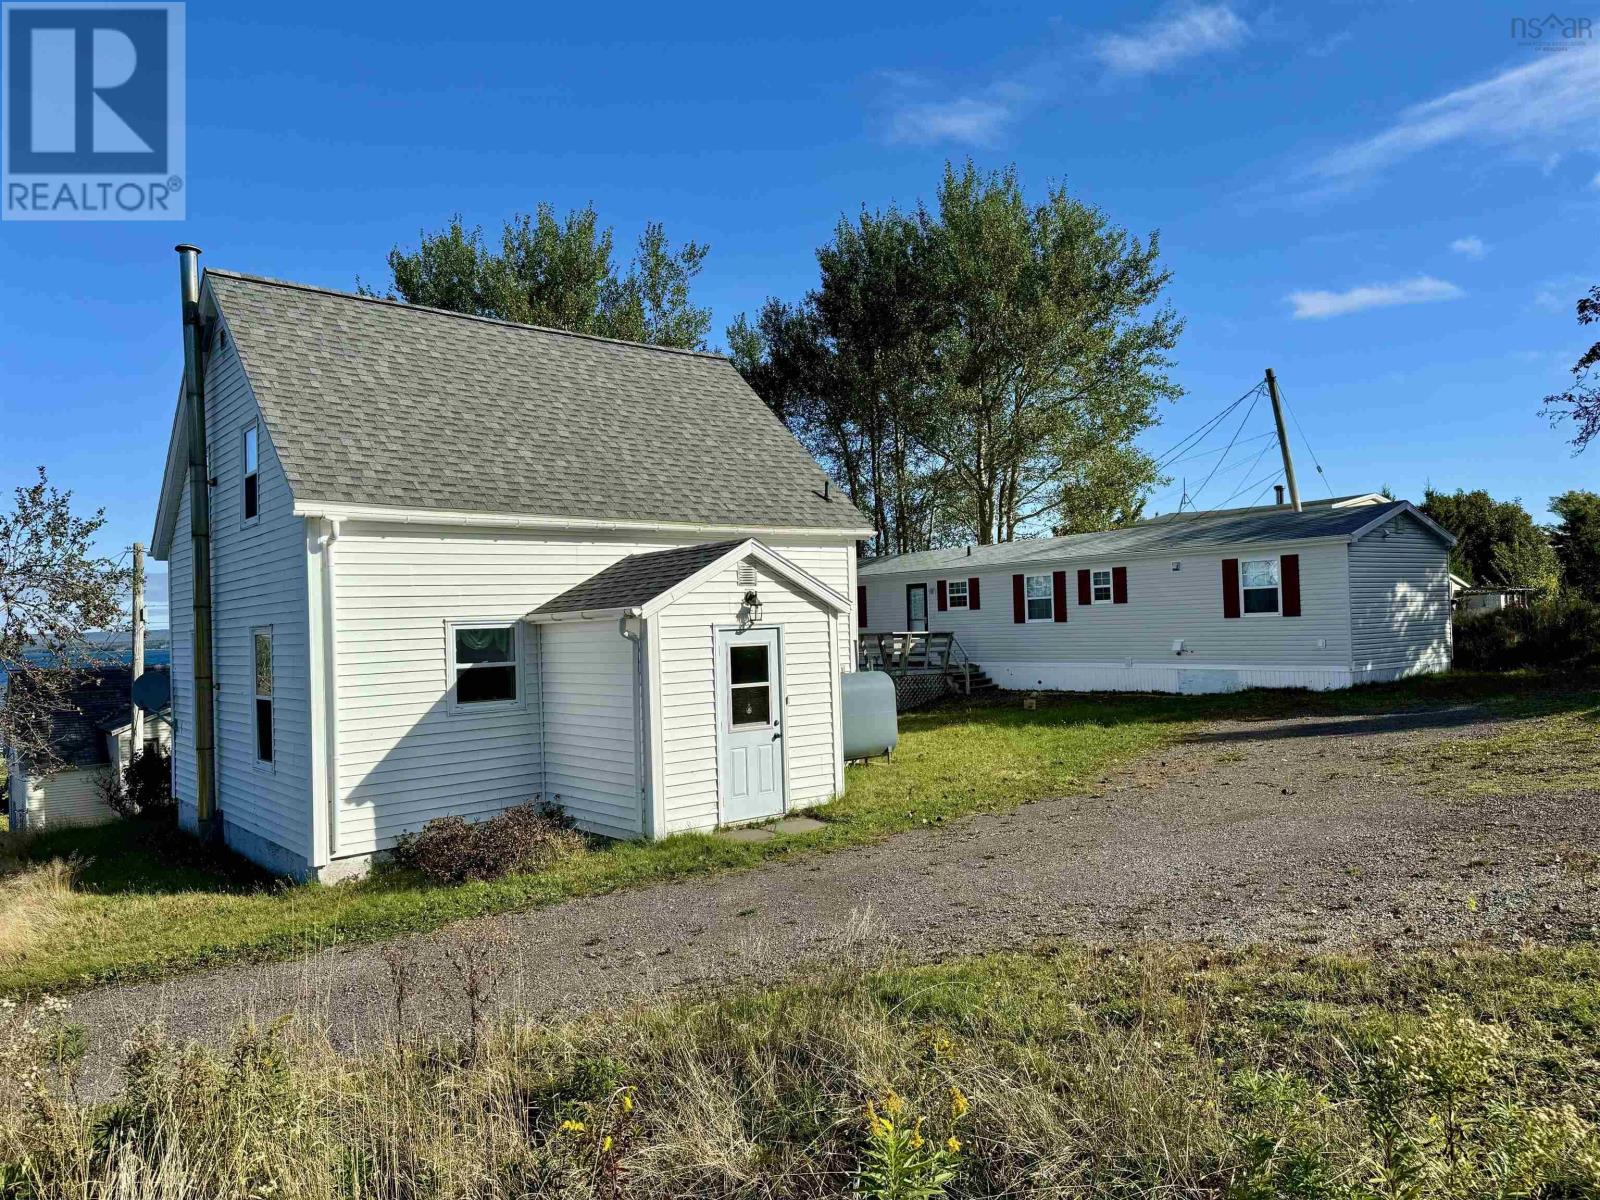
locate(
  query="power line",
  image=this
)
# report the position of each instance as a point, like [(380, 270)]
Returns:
[(1199, 434), (1237, 431), (1309, 450), (1208, 453)]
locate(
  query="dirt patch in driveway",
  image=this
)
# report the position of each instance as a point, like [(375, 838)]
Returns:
[(1315, 832)]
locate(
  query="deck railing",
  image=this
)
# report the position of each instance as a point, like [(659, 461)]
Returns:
[(915, 652)]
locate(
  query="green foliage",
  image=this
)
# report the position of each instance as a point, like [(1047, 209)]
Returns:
[(559, 273), (54, 589), (899, 1161), (1580, 403), (1498, 541), (1576, 539), (144, 787), (1562, 633), (980, 368)]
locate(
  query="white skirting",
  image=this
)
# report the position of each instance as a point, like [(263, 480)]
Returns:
[(1186, 678)]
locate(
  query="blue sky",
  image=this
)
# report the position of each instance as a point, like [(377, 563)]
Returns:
[(1395, 207)]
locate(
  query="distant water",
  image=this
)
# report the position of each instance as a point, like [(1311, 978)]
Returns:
[(153, 657)]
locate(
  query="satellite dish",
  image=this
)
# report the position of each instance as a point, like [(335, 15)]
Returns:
[(152, 691)]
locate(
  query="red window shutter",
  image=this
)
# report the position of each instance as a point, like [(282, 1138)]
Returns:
[(1119, 585), (972, 593), (1289, 578), (861, 606), (1085, 596), (1060, 581), (944, 596), (1019, 606), (1230, 587)]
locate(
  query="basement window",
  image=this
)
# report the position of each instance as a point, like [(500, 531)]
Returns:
[(1258, 581), (956, 593), (484, 664), (263, 694), (252, 473)]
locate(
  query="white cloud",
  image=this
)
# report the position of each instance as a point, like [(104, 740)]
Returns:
[(1542, 106), (970, 120), (1471, 246), (1181, 34), (1424, 288), (1595, 182)]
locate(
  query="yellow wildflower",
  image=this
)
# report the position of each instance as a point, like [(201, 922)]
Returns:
[(878, 1125), (958, 1103), (570, 1126), (605, 1146), (892, 1104), (627, 1101), (916, 1135), (953, 1145)]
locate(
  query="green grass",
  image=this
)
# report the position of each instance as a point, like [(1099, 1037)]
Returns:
[(142, 906), (1138, 1072), (1547, 743)]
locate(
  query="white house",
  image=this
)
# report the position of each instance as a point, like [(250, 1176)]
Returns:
[(1345, 591), (456, 563), (91, 737)]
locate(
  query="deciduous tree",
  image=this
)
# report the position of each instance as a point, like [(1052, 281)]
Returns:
[(1498, 542), (1580, 403), (1577, 540), (54, 590)]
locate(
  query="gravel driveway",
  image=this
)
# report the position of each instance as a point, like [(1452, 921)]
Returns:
[(1295, 832)]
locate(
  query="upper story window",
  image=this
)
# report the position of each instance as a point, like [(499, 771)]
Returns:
[(957, 589), (1100, 586), (1041, 598), (1258, 582), (263, 694), (484, 664), (252, 472)]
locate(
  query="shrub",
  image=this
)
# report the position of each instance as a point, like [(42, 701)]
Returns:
[(524, 838), (1561, 632), (144, 788)]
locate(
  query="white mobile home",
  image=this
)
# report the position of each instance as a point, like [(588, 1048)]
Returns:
[(1345, 591), (457, 563)]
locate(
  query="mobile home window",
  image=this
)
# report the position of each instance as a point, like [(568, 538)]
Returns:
[(1258, 580), (252, 474), (263, 694), (1041, 598), (485, 664), (957, 589), (1100, 586)]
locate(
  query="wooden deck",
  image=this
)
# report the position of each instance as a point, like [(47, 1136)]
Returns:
[(923, 664)]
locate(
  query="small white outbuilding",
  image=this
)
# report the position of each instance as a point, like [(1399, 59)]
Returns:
[(691, 687)]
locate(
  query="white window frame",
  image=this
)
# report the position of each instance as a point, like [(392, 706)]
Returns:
[(245, 473), (1277, 573), (950, 586), (518, 664), (268, 765), (1049, 598), (1110, 585)]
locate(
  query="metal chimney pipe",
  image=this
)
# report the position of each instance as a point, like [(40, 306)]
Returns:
[(1278, 488), (205, 800)]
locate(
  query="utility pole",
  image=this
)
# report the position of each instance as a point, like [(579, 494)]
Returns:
[(1283, 440), (136, 737)]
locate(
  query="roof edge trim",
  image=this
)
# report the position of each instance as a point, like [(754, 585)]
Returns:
[(380, 514)]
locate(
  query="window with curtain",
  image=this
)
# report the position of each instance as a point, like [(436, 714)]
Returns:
[(485, 664), (1040, 597), (252, 472), (1258, 582)]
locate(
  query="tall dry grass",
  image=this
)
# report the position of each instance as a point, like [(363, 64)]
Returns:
[(33, 900), (1077, 1074)]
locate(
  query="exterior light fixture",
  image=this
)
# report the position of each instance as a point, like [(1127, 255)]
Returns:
[(752, 607)]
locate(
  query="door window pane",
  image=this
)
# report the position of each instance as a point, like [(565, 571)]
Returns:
[(748, 664), (752, 705)]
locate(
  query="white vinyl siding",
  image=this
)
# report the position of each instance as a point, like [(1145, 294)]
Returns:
[(589, 677), (1400, 602), (403, 756), (71, 796), (688, 694), (258, 579), (1163, 605)]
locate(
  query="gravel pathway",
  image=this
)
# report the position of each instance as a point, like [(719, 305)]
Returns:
[(1293, 832)]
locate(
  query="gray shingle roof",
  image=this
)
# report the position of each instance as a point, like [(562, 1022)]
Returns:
[(636, 579), (99, 696), (1172, 532), (375, 403)]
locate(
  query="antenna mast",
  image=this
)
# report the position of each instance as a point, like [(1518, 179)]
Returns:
[(1283, 440)]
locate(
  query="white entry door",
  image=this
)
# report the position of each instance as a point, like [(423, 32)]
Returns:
[(750, 723)]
